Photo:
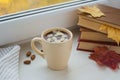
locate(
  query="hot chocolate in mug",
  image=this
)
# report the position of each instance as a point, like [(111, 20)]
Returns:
[(56, 45)]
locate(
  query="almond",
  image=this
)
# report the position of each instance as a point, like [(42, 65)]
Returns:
[(28, 53), (33, 57), (27, 62)]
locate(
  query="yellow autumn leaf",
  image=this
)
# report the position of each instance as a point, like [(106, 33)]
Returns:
[(112, 33), (117, 31), (103, 28), (93, 11)]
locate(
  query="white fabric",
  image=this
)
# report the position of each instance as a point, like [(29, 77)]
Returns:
[(9, 62)]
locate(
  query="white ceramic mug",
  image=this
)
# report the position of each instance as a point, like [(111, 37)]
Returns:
[(56, 54)]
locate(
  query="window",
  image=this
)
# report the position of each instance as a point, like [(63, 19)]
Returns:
[(15, 6), (23, 19)]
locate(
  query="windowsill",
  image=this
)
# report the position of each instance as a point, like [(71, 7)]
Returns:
[(80, 67)]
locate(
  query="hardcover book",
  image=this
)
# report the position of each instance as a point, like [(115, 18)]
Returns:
[(94, 36), (89, 46), (89, 39), (108, 24), (112, 16)]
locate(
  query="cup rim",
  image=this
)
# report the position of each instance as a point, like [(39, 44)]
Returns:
[(56, 28)]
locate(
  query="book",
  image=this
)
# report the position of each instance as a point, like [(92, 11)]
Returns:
[(89, 46), (94, 36), (90, 25), (89, 39), (109, 24), (111, 16), (85, 29)]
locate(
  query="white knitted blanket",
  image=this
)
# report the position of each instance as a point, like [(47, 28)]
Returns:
[(9, 62)]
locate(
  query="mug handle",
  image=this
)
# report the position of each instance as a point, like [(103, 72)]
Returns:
[(37, 39)]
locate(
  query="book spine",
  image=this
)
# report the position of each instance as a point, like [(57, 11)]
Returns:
[(80, 49), (99, 42)]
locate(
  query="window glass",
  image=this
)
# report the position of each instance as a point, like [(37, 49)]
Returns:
[(13, 6)]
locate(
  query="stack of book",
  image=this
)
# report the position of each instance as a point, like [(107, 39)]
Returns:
[(90, 33)]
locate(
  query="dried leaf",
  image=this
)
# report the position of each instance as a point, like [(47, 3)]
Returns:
[(112, 33), (93, 10)]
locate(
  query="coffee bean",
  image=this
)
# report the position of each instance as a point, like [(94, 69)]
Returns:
[(41, 50), (27, 62), (28, 53), (33, 57)]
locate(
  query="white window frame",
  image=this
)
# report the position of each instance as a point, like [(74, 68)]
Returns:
[(23, 26)]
